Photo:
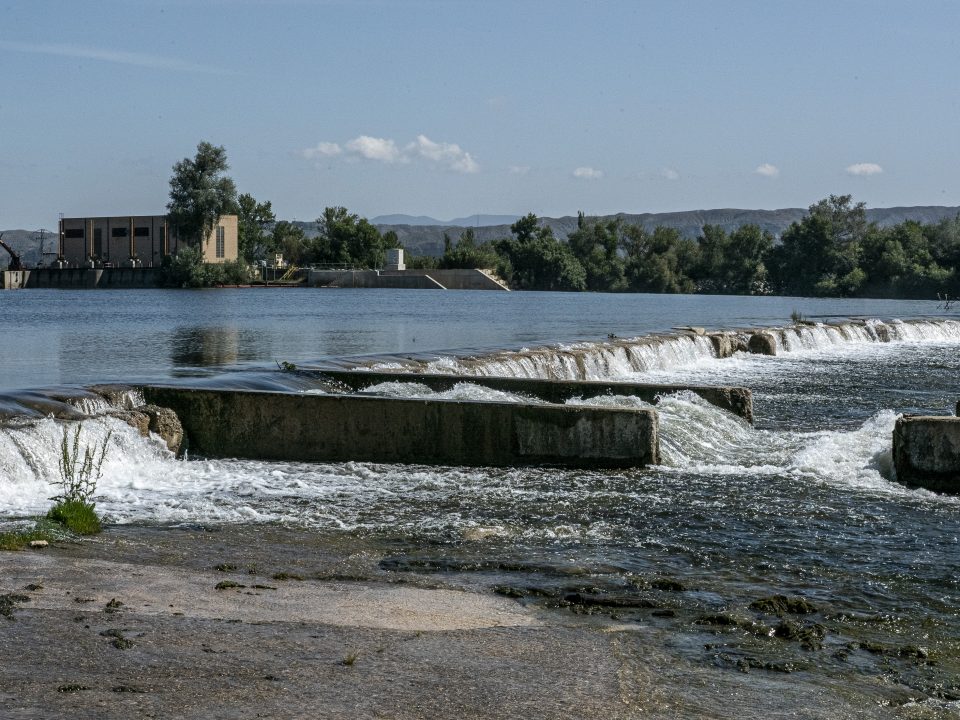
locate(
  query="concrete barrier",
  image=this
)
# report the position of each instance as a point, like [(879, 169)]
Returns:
[(737, 400), (926, 452), (406, 279), (298, 427)]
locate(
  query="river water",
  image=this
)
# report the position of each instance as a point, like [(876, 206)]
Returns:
[(803, 503)]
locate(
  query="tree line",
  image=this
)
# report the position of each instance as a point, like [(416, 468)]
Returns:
[(832, 252)]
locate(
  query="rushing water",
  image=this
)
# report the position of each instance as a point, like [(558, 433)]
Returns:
[(804, 503)]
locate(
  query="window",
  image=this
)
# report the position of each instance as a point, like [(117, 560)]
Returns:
[(73, 233), (141, 232), (221, 250), (118, 232)]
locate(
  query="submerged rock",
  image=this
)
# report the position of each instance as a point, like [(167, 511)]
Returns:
[(781, 605), (762, 343)]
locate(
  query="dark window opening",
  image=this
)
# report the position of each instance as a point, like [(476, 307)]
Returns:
[(97, 242), (73, 233), (141, 232)]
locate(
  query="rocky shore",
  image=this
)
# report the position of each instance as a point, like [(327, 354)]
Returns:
[(255, 621)]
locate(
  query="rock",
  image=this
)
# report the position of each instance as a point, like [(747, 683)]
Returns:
[(691, 329), (724, 344), (38, 543), (135, 419), (781, 604), (762, 343), (165, 423)]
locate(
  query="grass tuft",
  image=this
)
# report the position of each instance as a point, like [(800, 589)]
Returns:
[(77, 516)]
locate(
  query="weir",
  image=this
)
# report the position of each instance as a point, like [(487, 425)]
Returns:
[(736, 400), (330, 428)]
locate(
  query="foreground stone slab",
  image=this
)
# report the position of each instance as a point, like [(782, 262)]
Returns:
[(926, 452), (737, 400), (320, 428)]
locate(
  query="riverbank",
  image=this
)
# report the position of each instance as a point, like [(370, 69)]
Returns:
[(259, 621)]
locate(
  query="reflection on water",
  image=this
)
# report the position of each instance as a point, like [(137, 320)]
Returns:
[(205, 346)]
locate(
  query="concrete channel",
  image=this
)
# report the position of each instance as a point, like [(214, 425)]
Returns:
[(736, 400)]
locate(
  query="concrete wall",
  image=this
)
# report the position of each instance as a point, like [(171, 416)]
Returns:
[(739, 401), (14, 279), (71, 278), (230, 225), (405, 279), (298, 427), (926, 452)]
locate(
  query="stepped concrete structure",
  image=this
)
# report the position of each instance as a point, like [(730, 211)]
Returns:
[(736, 400), (336, 428)]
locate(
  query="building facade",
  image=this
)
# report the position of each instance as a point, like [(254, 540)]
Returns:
[(138, 240)]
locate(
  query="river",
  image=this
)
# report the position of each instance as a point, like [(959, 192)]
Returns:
[(803, 503)]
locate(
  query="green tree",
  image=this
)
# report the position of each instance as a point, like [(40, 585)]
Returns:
[(733, 264), (347, 239), (253, 219), (659, 262), (288, 239), (533, 259), (597, 246), (200, 193), (820, 255), (467, 254)]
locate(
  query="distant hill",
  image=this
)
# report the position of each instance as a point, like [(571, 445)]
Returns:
[(27, 244), (478, 220), (428, 239)]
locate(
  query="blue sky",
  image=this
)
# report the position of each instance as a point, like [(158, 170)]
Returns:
[(452, 107)]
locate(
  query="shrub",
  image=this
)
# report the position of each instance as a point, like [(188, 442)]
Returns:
[(74, 507)]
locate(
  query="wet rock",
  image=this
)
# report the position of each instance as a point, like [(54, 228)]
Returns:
[(122, 643), (136, 419), (9, 602), (691, 329), (668, 584), (38, 543), (618, 600), (724, 620), (810, 636), (762, 343), (780, 605), (165, 423), (509, 591), (724, 344)]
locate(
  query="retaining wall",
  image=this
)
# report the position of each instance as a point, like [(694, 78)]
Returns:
[(926, 452), (93, 278), (405, 279), (737, 400), (298, 427)]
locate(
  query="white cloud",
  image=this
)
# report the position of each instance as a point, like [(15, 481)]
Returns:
[(670, 174), (323, 149), (449, 155), (588, 173), (371, 148), (864, 169), (386, 150), (768, 170), (82, 52), (519, 169)]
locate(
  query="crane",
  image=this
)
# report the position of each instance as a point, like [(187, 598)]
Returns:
[(15, 262)]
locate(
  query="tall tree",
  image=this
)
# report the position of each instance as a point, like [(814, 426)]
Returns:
[(200, 193), (348, 239), (253, 219)]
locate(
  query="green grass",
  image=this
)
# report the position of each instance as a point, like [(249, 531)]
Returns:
[(19, 539), (77, 516)]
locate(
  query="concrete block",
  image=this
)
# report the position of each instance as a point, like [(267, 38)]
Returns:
[(762, 343), (328, 428), (926, 452)]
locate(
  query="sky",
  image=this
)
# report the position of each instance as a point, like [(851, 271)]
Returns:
[(453, 107)]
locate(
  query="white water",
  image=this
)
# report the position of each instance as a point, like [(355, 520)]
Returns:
[(142, 481)]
